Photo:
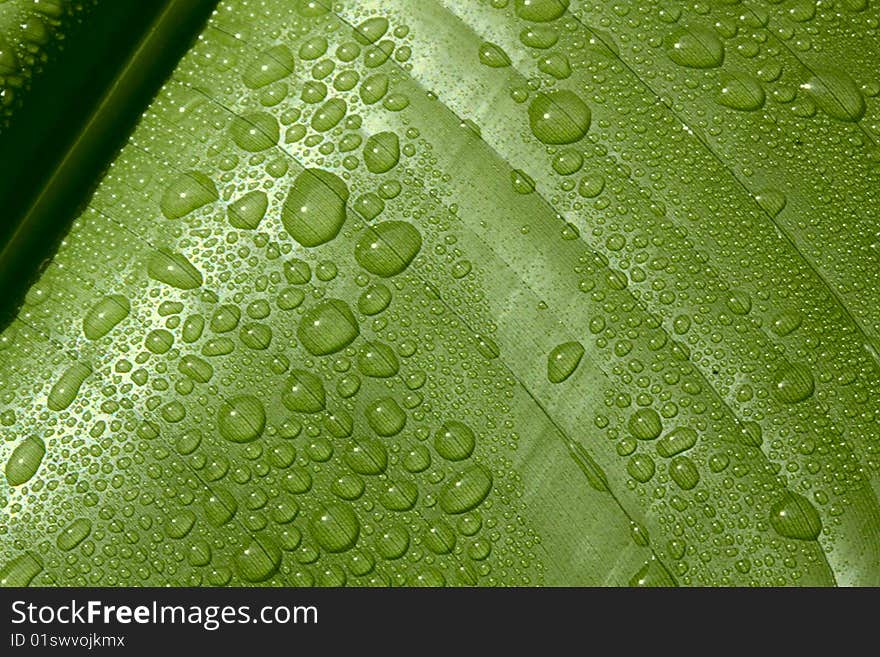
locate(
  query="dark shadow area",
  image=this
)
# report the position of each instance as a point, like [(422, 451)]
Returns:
[(78, 113)]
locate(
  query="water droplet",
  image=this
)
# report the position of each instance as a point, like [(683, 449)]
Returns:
[(556, 65), (335, 527), (373, 88), (741, 91), (382, 152), (180, 524), (192, 328), (387, 248), (676, 441), (559, 117), (739, 302), (567, 162), (385, 416), (195, 368), (104, 315), (645, 424), (187, 193), (248, 210), (67, 387), (641, 467), (392, 542), (328, 115), (493, 56), (20, 571), (399, 496), (793, 383), (684, 472), (539, 36), (563, 361), (836, 94), (695, 47), (225, 318), (269, 66), (241, 419), (25, 460), (454, 441), (591, 185), (786, 322), (174, 269), (254, 131), (256, 336), (220, 506), (259, 560), (794, 516), (327, 327), (304, 392), (371, 30), (522, 182), (315, 207), (771, 200), (466, 490), (374, 299), (159, 341), (377, 360), (74, 534), (367, 456), (540, 11)]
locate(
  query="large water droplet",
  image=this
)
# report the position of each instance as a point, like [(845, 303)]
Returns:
[(241, 419), (74, 534), (466, 490), (676, 441), (377, 360), (741, 91), (454, 441), (220, 506), (259, 560), (304, 392), (371, 30), (315, 208), (563, 361), (328, 115), (20, 571), (387, 248), (540, 11), (684, 472), (269, 66), (188, 192), (67, 387), (254, 131), (248, 210), (335, 527), (174, 269), (382, 152), (559, 117), (25, 460), (493, 56), (794, 516), (104, 315), (645, 424), (367, 456), (327, 327), (836, 94), (695, 47), (385, 416), (793, 383)]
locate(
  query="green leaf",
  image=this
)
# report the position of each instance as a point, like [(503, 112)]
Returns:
[(467, 293)]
